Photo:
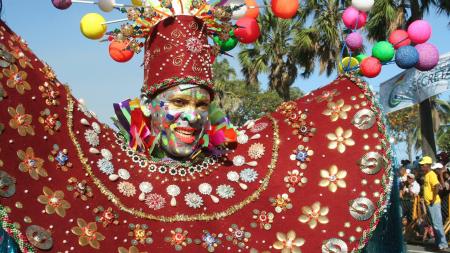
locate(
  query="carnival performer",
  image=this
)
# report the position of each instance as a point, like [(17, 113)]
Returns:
[(177, 176)]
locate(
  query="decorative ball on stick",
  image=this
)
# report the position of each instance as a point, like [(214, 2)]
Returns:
[(419, 31), (383, 50), (370, 67), (252, 9), (353, 18), (348, 64), (226, 45), (93, 26), (363, 5), (354, 41), (406, 57), (106, 5), (118, 50), (136, 2), (361, 57), (247, 30), (285, 8), (399, 38), (62, 4), (428, 56)]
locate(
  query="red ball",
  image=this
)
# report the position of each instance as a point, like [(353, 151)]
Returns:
[(285, 8), (247, 31), (399, 38), (119, 52), (370, 67)]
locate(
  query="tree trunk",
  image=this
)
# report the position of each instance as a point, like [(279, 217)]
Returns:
[(426, 118), (426, 129)]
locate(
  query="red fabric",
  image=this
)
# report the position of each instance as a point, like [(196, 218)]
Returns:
[(177, 49), (261, 240)]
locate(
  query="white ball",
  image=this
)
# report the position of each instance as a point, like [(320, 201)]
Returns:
[(106, 5), (363, 5), (239, 13)]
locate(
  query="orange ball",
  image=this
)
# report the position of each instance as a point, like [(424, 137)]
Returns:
[(285, 8), (119, 52), (252, 9)]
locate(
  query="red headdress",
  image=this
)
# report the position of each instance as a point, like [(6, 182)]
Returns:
[(177, 52)]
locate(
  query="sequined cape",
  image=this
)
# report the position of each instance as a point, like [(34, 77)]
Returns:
[(314, 176)]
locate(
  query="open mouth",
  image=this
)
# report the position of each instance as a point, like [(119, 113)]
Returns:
[(185, 134)]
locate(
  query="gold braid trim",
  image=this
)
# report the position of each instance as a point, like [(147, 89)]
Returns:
[(180, 217)]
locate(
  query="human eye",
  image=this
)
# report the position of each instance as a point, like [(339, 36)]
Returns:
[(179, 102), (202, 104)]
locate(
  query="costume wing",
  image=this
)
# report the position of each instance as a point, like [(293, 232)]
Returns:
[(312, 177)]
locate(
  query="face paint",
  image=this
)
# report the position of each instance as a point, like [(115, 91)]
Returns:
[(180, 116)]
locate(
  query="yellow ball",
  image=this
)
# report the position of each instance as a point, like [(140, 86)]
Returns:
[(92, 26), (344, 64), (136, 2)]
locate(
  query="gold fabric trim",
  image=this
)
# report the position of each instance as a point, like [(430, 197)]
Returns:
[(180, 217)]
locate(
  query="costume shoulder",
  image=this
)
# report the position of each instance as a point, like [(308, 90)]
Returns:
[(313, 176)]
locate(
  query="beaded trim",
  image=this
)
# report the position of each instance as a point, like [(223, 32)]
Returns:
[(388, 175), (151, 90), (173, 169), (180, 217), (15, 233)]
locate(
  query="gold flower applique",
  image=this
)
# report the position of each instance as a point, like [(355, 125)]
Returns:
[(340, 139), (20, 121), (88, 234), (17, 79), (31, 164), (333, 178), (337, 110), (288, 243), (314, 214), (54, 201), (132, 249)]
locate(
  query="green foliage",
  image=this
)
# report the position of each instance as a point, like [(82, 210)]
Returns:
[(444, 141), (242, 101)]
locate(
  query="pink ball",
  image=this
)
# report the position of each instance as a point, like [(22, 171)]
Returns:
[(353, 18), (428, 56), (399, 38), (419, 31), (354, 41)]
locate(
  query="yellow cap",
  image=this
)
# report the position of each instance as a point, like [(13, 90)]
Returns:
[(426, 160)]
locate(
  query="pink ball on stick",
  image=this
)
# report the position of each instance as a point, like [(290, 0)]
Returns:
[(354, 41), (247, 31), (62, 4), (419, 31), (428, 56), (399, 38), (353, 18)]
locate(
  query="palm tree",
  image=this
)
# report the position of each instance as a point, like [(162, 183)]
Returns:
[(276, 54)]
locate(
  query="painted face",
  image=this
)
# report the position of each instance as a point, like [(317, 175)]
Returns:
[(180, 116)]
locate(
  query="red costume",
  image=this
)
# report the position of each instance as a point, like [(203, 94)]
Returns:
[(312, 177)]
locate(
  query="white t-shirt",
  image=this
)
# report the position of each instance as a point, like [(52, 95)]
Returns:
[(414, 188)]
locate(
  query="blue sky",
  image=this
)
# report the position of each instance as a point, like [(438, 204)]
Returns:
[(85, 65)]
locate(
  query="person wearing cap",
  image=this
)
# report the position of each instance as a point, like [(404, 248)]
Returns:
[(413, 187), (433, 201)]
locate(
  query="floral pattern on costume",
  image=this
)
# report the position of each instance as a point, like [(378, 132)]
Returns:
[(17, 79), (333, 178), (54, 202), (31, 164), (340, 139), (20, 120), (288, 243), (88, 234), (314, 214)]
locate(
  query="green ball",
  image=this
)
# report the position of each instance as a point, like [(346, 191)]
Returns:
[(383, 51), (361, 57), (228, 44)]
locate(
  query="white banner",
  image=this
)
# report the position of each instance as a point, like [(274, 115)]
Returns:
[(413, 86)]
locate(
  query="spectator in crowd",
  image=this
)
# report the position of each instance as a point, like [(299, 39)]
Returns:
[(433, 201), (412, 188)]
